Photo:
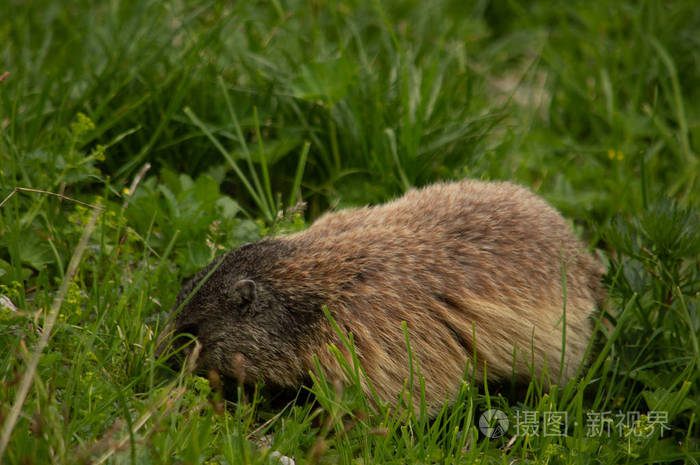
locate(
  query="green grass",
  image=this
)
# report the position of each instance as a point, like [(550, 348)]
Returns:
[(200, 126)]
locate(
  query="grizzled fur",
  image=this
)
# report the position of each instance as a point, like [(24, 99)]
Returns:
[(452, 260)]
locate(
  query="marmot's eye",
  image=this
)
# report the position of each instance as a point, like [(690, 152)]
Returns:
[(191, 329)]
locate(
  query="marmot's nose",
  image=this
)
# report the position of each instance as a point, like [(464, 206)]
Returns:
[(182, 339)]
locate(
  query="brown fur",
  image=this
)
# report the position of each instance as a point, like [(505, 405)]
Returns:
[(451, 260)]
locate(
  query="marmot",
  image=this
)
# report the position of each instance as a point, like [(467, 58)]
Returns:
[(473, 268)]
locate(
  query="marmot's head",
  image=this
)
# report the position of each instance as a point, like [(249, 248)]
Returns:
[(248, 329)]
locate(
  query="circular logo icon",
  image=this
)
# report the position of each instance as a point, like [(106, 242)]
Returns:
[(493, 423)]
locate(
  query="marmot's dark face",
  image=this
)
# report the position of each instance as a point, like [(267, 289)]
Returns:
[(245, 329)]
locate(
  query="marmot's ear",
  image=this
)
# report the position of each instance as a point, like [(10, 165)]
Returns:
[(245, 290)]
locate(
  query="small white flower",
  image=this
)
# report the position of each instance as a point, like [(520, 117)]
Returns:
[(277, 458)]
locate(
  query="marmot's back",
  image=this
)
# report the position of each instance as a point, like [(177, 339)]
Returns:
[(496, 239)]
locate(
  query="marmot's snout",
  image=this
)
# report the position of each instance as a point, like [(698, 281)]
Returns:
[(176, 344)]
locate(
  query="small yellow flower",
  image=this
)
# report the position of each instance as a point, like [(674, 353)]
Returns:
[(126, 191), (99, 152), (615, 155), (82, 125)]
